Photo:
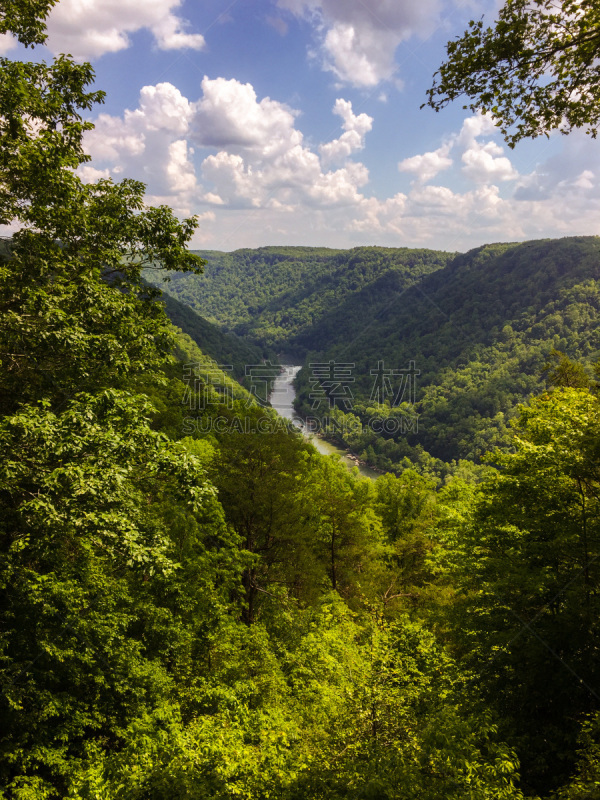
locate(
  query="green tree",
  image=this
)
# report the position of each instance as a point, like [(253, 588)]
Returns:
[(95, 506), (349, 530), (264, 481), (536, 68), (25, 19), (406, 505), (74, 313), (561, 371), (528, 581)]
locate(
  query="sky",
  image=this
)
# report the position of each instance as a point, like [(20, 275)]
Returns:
[(298, 122)]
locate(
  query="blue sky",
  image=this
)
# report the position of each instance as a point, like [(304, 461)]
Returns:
[(298, 122)]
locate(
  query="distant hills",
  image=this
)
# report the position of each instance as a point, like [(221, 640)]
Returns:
[(480, 326), (290, 297)]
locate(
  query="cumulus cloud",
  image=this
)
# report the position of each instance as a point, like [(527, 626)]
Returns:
[(163, 107), (242, 162), (229, 115), (149, 143), (560, 197), (426, 166), (576, 168), (437, 216), (90, 174), (259, 159), (353, 138), (234, 179), (89, 29), (114, 138), (483, 163), (358, 40), (262, 159), (179, 169), (163, 113)]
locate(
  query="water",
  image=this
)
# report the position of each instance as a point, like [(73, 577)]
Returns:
[(282, 400)]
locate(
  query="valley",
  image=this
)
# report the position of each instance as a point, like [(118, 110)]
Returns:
[(479, 327)]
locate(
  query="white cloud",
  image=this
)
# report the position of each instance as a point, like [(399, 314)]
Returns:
[(90, 174), (358, 39), (485, 163), (426, 166), (229, 115), (438, 217), (150, 144), (244, 160), (586, 180), (475, 126), (180, 170), (262, 160), (575, 168), (162, 110), (89, 28), (234, 179), (7, 42), (163, 107), (560, 197), (353, 138), (259, 158), (114, 138)]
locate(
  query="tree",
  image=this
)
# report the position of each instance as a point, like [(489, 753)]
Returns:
[(95, 506), (561, 371), (25, 19), (75, 315), (536, 68), (263, 480), (527, 575)]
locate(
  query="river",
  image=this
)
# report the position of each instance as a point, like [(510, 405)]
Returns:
[(282, 400)]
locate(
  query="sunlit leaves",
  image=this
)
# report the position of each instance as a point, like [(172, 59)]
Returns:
[(536, 70)]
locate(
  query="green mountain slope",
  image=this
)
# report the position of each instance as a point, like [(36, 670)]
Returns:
[(223, 348), (287, 298), (236, 286), (478, 326), (479, 332)]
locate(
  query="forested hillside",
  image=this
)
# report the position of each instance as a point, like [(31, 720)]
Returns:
[(479, 327), (295, 298), (224, 348), (479, 332)]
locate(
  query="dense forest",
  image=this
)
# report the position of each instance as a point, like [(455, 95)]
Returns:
[(293, 298), (194, 602), (224, 348), (480, 328)]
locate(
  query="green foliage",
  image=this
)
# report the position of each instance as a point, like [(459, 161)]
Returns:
[(527, 575), (480, 332), (480, 329), (194, 602), (225, 349), (535, 68), (561, 371), (294, 298), (25, 19)]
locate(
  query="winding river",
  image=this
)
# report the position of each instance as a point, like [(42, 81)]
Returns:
[(282, 400)]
